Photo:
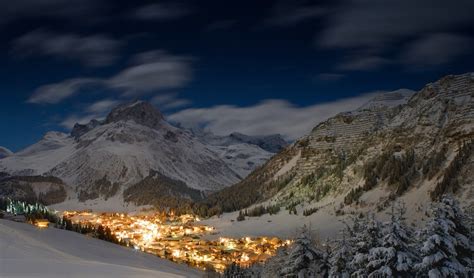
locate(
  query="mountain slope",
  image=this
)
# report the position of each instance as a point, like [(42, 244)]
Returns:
[(396, 146), (4, 152), (241, 152)]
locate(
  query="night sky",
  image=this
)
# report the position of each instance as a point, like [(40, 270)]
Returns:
[(257, 67)]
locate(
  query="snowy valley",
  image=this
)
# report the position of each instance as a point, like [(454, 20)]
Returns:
[(403, 151)]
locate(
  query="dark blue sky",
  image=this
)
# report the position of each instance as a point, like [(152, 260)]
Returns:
[(205, 54)]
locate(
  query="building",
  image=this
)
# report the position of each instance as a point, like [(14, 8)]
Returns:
[(41, 223)]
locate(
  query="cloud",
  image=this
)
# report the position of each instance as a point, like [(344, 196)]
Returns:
[(162, 11), (162, 71), (97, 110), (373, 23), (169, 101), (376, 32), (102, 106), (268, 117), (153, 71), (436, 49), (65, 9), (287, 13), (94, 50), (55, 93), (363, 63), (73, 119)]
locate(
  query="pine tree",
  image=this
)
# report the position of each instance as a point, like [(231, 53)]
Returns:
[(324, 264), (101, 232), (274, 265), (303, 258), (447, 248), (340, 258), (235, 271), (394, 258), (367, 235)]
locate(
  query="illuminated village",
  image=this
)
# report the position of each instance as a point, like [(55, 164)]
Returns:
[(180, 239)]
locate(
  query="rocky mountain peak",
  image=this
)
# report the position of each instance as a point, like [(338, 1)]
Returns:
[(141, 112), (78, 130)]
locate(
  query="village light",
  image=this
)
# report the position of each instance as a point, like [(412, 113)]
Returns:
[(180, 238)]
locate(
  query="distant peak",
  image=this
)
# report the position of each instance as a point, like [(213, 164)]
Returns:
[(141, 112), (54, 135), (4, 152), (272, 143)]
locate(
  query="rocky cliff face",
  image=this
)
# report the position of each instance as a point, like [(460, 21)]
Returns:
[(396, 146)]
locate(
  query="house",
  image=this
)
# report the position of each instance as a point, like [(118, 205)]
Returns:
[(41, 223)]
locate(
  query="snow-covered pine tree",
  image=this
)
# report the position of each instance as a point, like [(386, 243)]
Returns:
[(274, 265), (395, 257), (366, 235), (303, 259), (235, 271), (340, 258), (324, 264), (464, 233), (447, 248)]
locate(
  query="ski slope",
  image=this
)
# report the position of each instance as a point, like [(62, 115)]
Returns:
[(29, 252)]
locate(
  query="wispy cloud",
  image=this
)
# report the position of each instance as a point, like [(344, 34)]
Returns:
[(384, 28), (162, 11), (169, 101), (90, 50), (73, 119), (373, 23), (436, 49), (268, 117), (55, 93), (97, 110), (153, 71), (160, 71), (102, 106), (287, 13), (363, 63), (64, 9)]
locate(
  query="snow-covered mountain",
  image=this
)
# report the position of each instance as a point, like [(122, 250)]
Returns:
[(400, 145), (103, 158), (243, 153), (4, 152)]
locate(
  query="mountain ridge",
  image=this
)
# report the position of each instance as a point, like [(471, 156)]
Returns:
[(4, 152), (102, 159), (368, 157)]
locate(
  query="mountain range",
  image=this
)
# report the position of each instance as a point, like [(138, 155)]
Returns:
[(135, 144), (412, 146)]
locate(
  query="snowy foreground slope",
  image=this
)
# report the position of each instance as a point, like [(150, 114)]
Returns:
[(29, 252)]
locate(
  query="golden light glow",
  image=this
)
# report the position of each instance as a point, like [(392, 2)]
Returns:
[(180, 239), (41, 223)]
